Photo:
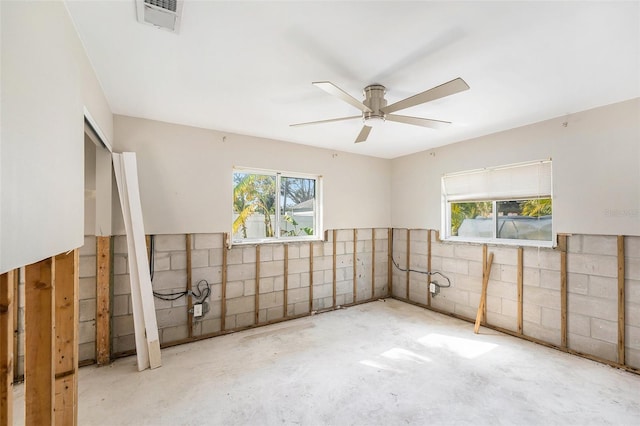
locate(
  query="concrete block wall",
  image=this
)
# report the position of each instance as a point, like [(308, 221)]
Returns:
[(632, 297), (592, 283), (87, 300), (207, 262)]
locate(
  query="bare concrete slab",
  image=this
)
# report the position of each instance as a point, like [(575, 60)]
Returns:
[(383, 363)]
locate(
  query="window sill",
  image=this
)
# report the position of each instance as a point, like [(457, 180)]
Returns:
[(501, 242), (256, 242)]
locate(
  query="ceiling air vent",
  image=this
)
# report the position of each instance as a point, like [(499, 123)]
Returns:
[(163, 14)]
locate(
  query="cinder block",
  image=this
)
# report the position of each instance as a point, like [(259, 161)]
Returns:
[(234, 255), (241, 272), (123, 343), (208, 326), (278, 251), (632, 358), (215, 257), (230, 322), (182, 301), (468, 251), (170, 242), (278, 283), (293, 251), (508, 273), (249, 287), (510, 308), (235, 289), (199, 258), (119, 265), (443, 249), (213, 275), (122, 326), (541, 258), (578, 283), (121, 284), (293, 281), (531, 313), (87, 266), (531, 276), (443, 304), (119, 244), (593, 307), (274, 313), (179, 261), (632, 268), (208, 241), (579, 324), (464, 311), (240, 305), (542, 297), (271, 269), (600, 244), (604, 330), (87, 310), (86, 289), (550, 279), (606, 288), (499, 320), (300, 308), (163, 280), (493, 303), (245, 319), (266, 285), (591, 264), (215, 310), (297, 295), (173, 334), (87, 351), (458, 266), (632, 246), (87, 332), (538, 332), (89, 246), (345, 235), (304, 250), (362, 234), (632, 290), (632, 339), (120, 305), (550, 318), (574, 244), (171, 317), (591, 346), (162, 262), (269, 300), (475, 268)]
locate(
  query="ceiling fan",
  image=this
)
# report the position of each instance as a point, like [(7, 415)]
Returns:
[(374, 106)]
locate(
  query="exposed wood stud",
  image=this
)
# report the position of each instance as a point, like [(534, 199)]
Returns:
[(257, 297), (408, 296), (7, 306), (285, 311), (373, 262), (103, 302), (310, 277), (562, 245), (429, 267), (223, 296), (189, 286), (389, 262), (335, 234), (355, 262), (481, 316), (16, 334), (66, 338), (621, 301), (520, 288), (485, 276), (39, 365)]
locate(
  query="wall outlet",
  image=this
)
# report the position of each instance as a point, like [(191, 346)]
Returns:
[(434, 288), (197, 310)]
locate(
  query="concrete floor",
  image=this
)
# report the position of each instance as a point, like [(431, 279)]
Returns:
[(384, 363)]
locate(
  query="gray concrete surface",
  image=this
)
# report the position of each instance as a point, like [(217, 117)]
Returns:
[(383, 363)]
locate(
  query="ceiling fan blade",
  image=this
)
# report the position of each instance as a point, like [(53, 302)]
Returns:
[(334, 90), (450, 88), (325, 121), (417, 121), (364, 134)]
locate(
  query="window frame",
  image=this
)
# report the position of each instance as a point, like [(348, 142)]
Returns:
[(446, 213), (317, 208)]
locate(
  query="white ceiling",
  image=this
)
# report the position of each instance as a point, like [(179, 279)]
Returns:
[(247, 67)]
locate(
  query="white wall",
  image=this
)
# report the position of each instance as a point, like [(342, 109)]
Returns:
[(596, 170), (46, 81), (186, 177)]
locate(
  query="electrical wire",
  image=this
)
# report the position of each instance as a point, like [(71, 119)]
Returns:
[(424, 273)]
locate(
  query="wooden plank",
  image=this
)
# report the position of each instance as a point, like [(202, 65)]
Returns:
[(520, 288), (355, 260), (389, 262), (16, 331), (285, 311), (66, 341), (257, 296), (310, 277), (481, 315), (621, 301), (485, 275), (562, 245), (408, 287), (144, 314), (373, 262), (103, 300), (189, 286), (428, 267), (39, 364), (223, 301), (7, 306), (335, 234)]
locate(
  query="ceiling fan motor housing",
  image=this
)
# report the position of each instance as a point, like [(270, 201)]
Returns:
[(374, 99)]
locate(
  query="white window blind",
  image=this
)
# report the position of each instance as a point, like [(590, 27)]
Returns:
[(517, 181)]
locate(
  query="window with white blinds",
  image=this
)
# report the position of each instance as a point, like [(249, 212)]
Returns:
[(509, 203)]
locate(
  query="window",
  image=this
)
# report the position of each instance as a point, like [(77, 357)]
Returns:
[(272, 206), (508, 204)]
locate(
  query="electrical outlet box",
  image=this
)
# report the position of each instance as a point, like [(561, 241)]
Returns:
[(434, 288), (197, 310)]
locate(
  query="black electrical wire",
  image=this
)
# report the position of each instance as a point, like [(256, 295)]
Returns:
[(424, 273)]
